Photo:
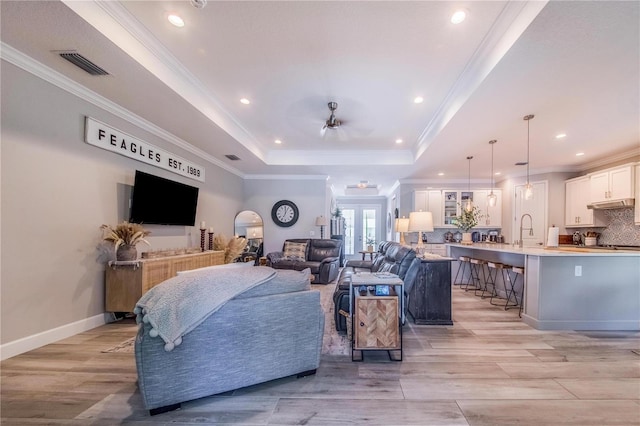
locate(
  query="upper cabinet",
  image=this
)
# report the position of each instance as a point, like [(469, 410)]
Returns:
[(577, 193), (452, 201), (612, 184), (429, 201), (637, 212)]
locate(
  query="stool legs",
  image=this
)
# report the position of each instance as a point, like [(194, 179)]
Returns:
[(463, 266), (478, 282), (512, 290)]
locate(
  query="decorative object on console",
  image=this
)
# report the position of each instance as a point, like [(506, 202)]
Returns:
[(420, 222), (402, 226), (321, 221), (203, 230), (370, 243), (466, 221), (232, 248), (210, 245), (285, 213), (125, 236)]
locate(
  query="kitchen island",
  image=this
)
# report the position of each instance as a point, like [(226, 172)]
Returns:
[(570, 288)]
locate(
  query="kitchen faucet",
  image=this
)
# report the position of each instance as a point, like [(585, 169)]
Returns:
[(521, 228)]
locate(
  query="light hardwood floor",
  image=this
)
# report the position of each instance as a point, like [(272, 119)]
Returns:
[(489, 368)]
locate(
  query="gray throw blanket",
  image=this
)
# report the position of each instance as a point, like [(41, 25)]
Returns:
[(179, 304)]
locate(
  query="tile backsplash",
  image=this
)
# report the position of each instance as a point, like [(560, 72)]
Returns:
[(621, 230)]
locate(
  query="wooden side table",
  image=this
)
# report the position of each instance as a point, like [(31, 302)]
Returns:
[(376, 324), (376, 319), (364, 253)]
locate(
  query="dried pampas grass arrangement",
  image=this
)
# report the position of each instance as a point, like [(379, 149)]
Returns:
[(232, 248)]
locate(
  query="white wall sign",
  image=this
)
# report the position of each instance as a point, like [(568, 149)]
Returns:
[(105, 137)]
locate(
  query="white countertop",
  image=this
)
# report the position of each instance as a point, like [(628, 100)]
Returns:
[(547, 251)]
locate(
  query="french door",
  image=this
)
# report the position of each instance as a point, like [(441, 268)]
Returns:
[(363, 223)]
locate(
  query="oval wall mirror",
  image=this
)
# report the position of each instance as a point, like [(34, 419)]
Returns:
[(248, 224)]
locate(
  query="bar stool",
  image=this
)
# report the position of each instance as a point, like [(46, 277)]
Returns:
[(463, 266), (477, 265), (494, 268), (517, 271)]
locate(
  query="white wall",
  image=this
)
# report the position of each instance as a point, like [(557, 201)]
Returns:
[(310, 195), (56, 192)]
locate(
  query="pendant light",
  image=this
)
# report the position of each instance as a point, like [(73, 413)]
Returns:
[(492, 199), (528, 188), (469, 205)]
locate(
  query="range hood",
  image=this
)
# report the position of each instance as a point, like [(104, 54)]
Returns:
[(612, 204)]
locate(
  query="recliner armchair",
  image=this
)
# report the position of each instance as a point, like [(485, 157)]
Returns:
[(391, 257), (322, 256)]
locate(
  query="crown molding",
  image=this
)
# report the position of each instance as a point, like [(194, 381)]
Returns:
[(51, 76), (286, 177), (603, 162), (117, 24)]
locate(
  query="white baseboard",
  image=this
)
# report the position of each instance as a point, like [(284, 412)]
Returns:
[(35, 341)]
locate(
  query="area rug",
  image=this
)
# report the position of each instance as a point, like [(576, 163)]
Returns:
[(332, 342)]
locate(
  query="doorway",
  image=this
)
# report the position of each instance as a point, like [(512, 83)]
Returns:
[(362, 226)]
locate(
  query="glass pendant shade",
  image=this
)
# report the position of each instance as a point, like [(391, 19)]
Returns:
[(492, 199), (469, 204), (528, 189)]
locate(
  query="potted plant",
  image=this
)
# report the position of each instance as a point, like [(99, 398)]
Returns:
[(125, 236), (466, 221), (370, 243)]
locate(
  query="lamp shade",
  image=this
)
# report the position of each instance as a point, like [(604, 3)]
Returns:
[(420, 222), (322, 221), (402, 224), (254, 232)]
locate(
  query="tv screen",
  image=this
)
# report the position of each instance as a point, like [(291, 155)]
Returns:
[(156, 200)]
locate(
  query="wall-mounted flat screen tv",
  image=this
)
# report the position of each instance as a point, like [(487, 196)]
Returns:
[(156, 200)]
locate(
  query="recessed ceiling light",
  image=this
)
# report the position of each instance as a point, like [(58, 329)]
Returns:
[(245, 101), (398, 140), (458, 16), (580, 154), (418, 100), (176, 20), (561, 135), (441, 174), (498, 173), (278, 141)]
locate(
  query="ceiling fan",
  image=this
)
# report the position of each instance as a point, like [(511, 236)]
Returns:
[(332, 122)]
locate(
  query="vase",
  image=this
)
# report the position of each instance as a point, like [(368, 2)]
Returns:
[(466, 238), (369, 248), (126, 252)]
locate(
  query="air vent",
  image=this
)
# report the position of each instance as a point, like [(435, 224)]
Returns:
[(82, 62), (232, 157), (521, 163)]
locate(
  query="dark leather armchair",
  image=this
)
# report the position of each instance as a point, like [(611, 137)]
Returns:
[(322, 256)]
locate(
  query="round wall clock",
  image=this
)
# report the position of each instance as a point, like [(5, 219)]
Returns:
[(284, 213)]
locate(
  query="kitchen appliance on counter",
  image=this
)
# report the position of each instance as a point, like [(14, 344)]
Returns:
[(492, 236)]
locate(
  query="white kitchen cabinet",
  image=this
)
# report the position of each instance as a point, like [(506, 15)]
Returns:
[(439, 249), (577, 196), (452, 200), (637, 212), (612, 184), (429, 201), (491, 215)]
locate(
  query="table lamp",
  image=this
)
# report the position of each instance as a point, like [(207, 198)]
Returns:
[(420, 222), (402, 226), (321, 221)]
